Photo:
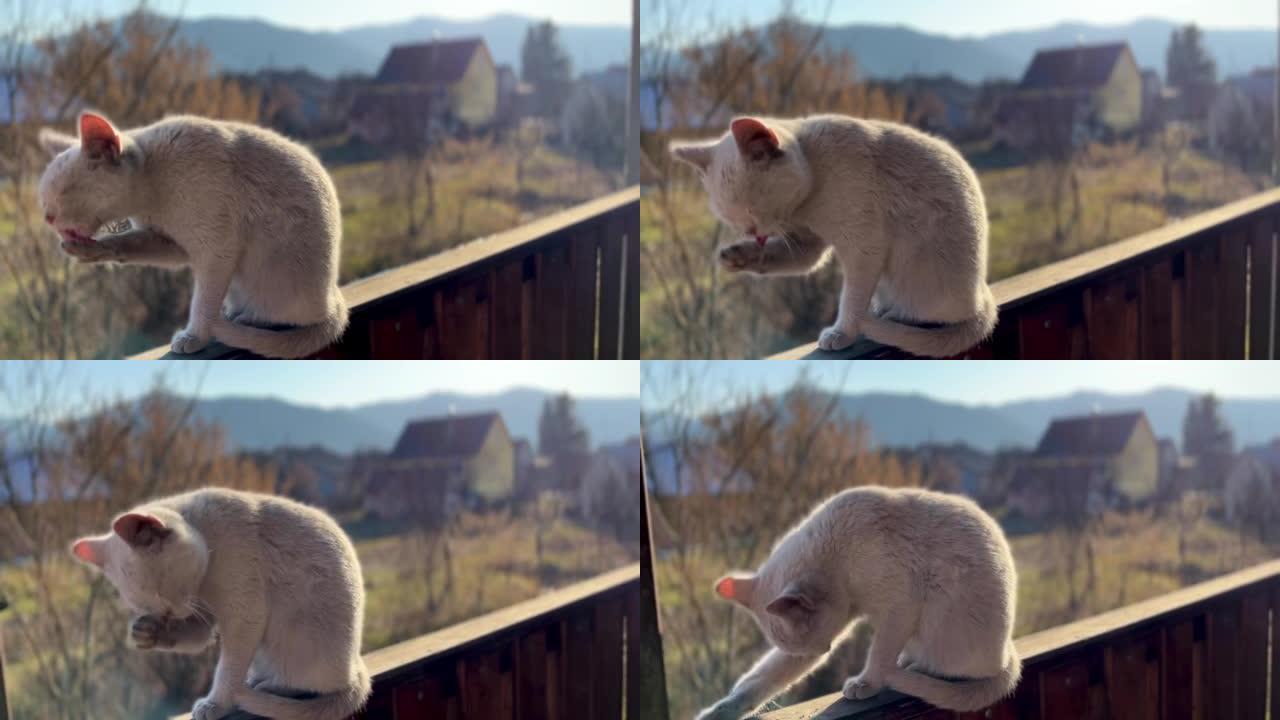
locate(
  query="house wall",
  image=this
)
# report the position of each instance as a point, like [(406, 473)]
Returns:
[(1119, 102), (492, 470), (1137, 469), (475, 98)]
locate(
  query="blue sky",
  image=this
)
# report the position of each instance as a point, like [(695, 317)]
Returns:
[(331, 384), (330, 15), (980, 17), (987, 382)]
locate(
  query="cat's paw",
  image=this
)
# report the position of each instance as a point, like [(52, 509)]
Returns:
[(741, 256), (145, 632), (859, 687), (186, 342), (206, 709), (833, 338), (87, 251)]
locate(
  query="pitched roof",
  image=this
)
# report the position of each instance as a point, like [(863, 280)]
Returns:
[(1084, 66), (1094, 435), (440, 62), (448, 436)]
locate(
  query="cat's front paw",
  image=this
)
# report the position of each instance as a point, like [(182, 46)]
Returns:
[(834, 338), (145, 632), (723, 710), (860, 688), (87, 251), (206, 709), (185, 342), (741, 256)]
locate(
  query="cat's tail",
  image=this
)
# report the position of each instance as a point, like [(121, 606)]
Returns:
[(329, 706), (291, 343), (961, 695), (943, 341)]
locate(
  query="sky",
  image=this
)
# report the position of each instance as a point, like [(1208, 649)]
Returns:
[(325, 384), (330, 15), (980, 17), (973, 383)]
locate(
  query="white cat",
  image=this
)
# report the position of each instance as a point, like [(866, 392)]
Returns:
[(279, 582), (254, 215), (903, 212), (931, 572)]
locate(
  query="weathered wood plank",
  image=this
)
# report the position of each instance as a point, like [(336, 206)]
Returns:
[(1111, 317), (1224, 659), (550, 314), (1064, 691), (1200, 326), (1254, 629), (1156, 303), (607, 641), (397, 335), (508, 314), (1042, 331), (1262, 288), (1233, 288), (464, 331), (583, 270), (631, 301), (1178, 660), (532, 701), (1133, 677), (580, 668), (612, 283), (486, 689)]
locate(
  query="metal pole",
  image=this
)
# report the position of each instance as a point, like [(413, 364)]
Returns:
[(631, 170)]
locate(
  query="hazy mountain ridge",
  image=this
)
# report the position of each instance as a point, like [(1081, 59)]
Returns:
[(247, 45), (908, 420)]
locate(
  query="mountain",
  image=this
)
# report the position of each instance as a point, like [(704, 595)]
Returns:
[(906, 420), (246, 45), (892, 51), (264, 423)]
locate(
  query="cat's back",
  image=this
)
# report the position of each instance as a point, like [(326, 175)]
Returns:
[(910, 514), (273, 518)]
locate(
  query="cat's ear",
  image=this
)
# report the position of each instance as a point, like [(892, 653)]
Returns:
[(796, 600), (696, 154), (98, 137), (140, 529), (90, 550), (55, 142), (755, 139), (737, 588)]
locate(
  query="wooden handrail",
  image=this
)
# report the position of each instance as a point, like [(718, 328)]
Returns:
[(1045, 648), (553, 232), (1226, 222)]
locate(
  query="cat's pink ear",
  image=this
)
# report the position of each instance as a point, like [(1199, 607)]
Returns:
[(89, 550), (754, 138), (736, 588), (98, 138), (140, 529)]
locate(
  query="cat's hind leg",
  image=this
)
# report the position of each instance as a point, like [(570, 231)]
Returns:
[(212, 279), (862, 266)]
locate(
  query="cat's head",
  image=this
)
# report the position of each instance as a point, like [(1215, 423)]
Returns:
[(153, 557), (755, 175), (91, 180), (797, 616)]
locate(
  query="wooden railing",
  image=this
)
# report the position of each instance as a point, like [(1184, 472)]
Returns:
[(563, 286), (564, 655), (1200, 288), (1207, 651)]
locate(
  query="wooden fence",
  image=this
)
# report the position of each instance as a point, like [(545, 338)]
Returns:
[(563, 286), (1201, 288)]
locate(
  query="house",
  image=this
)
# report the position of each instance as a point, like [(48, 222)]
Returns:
[(446, 86), (1240, 114), (441, 465), (1087, 464), (1251, 491), (1068, 95), (515, 98)]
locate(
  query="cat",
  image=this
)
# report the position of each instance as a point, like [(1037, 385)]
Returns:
[(933, 575), (902, 212), (253, 214), (277, 581)]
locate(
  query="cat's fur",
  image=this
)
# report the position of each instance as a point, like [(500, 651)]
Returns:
[(902, 211), (253, 214), (279, 583), (933, 575)]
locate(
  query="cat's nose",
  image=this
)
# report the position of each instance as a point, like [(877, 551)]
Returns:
[(48, 218)]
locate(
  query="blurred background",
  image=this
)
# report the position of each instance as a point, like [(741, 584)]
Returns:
[(1114, 483), (464, 493), (1087, 123), (439, 124)]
